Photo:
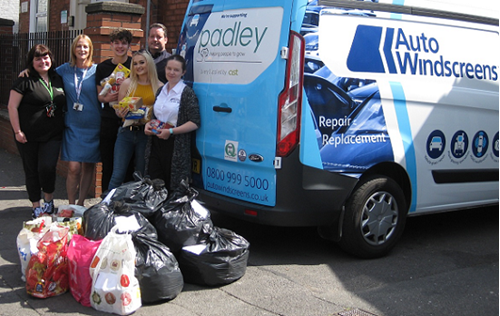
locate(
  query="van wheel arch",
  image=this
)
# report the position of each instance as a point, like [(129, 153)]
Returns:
[(394, 173), (374, 217)]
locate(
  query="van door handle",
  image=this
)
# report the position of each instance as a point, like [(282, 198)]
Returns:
[(222, 108)]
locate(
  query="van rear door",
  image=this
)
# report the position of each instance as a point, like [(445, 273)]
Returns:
[(234, 57)]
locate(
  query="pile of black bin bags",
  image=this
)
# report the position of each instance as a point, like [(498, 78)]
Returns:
[(177, 241)]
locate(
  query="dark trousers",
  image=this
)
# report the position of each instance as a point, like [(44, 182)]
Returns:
[(39, 163), (160, 159)]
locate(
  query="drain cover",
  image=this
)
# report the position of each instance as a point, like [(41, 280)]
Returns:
[(355, 312)]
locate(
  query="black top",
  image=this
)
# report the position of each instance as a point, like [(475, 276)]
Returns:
[(160, 62), (33, 118), (103, 70)]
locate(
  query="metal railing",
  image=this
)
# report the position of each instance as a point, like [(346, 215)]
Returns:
[(15, 47)]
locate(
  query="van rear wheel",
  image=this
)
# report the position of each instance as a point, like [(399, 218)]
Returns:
[(375, 216)]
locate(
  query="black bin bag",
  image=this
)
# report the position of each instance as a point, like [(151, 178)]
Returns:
[(182, 221), (220, 259), (144, 196), (97, 221), (157, 270), (100, 218)]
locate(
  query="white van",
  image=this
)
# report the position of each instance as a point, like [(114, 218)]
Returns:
[(394, 115)]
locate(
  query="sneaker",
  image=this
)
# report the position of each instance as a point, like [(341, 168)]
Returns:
[(48, 207), (37, 212)]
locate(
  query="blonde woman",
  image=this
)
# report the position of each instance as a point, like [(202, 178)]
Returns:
[(82, 120), (143, 82)]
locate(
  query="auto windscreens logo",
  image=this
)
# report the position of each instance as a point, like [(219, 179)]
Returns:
[(395, 52)]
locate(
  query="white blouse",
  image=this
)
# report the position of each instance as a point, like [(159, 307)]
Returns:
[(166, 107)]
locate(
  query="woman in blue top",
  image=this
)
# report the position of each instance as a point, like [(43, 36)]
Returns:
[(82, 120)]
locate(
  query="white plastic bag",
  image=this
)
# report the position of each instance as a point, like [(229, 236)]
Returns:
[(28, 238), (115, 289)]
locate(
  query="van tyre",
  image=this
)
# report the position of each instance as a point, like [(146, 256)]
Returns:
[(375, 216)]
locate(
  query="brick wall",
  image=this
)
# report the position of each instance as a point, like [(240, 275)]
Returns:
[(6, 53), (5, 30), (55, 8), (24, 19), (104, 17), (170, 13), (175, 15)]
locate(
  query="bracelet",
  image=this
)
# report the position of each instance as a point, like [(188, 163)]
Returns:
[(171, 130), (18, 132)]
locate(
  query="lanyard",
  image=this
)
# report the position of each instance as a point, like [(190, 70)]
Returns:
[(51, 92), (78, 87)]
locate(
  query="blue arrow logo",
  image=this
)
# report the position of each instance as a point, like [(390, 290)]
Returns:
[(364, 55)]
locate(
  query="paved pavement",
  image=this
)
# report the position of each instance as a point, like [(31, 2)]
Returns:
[(259, 292), (444, 265)]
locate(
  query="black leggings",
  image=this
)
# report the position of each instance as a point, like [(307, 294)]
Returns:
[(160, 160), (39, 163)]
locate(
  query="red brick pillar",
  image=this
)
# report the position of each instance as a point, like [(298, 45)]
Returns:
[(102, 18), (6, 27)]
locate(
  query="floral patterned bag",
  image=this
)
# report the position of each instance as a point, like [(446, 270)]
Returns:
[(115, 289)]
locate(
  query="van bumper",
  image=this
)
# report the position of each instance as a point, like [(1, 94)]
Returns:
[(306, 196)]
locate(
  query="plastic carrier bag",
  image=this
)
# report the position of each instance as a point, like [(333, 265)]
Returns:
[(182, 222), (27, 240), (81, 251), (115, 289), (157, 270), (47, 272), (220, 259)]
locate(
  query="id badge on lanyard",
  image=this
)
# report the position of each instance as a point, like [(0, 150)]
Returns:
[(51, 107), (77, 106)]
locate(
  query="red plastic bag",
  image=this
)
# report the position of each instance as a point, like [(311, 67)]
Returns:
[(81, 251), (47, 272)]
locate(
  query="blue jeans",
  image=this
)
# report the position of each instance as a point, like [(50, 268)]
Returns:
[(128, 143)]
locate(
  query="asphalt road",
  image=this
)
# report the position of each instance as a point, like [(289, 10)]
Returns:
[(445, 264)]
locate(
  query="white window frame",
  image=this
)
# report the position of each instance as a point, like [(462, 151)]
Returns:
[(34, 14)]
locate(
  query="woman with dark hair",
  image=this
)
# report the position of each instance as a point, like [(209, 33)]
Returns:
[(176, 106), (36, 114)]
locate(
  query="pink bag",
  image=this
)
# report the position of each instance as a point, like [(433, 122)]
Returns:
[(81, 251)]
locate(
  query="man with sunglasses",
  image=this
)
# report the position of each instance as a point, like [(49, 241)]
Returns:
[(110, 122)]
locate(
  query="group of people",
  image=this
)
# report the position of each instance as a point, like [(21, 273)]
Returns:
[(61, 111)]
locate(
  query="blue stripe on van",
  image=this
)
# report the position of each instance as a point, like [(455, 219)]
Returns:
[(309, 142), (406, 134), (397, 16)]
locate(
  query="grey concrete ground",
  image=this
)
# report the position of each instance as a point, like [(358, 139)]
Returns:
[(444, 265)]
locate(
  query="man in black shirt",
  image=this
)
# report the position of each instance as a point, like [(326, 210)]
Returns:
[(120, 45), (157, 41)]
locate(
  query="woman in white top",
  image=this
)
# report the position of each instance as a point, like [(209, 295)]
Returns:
[(176, 105)]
